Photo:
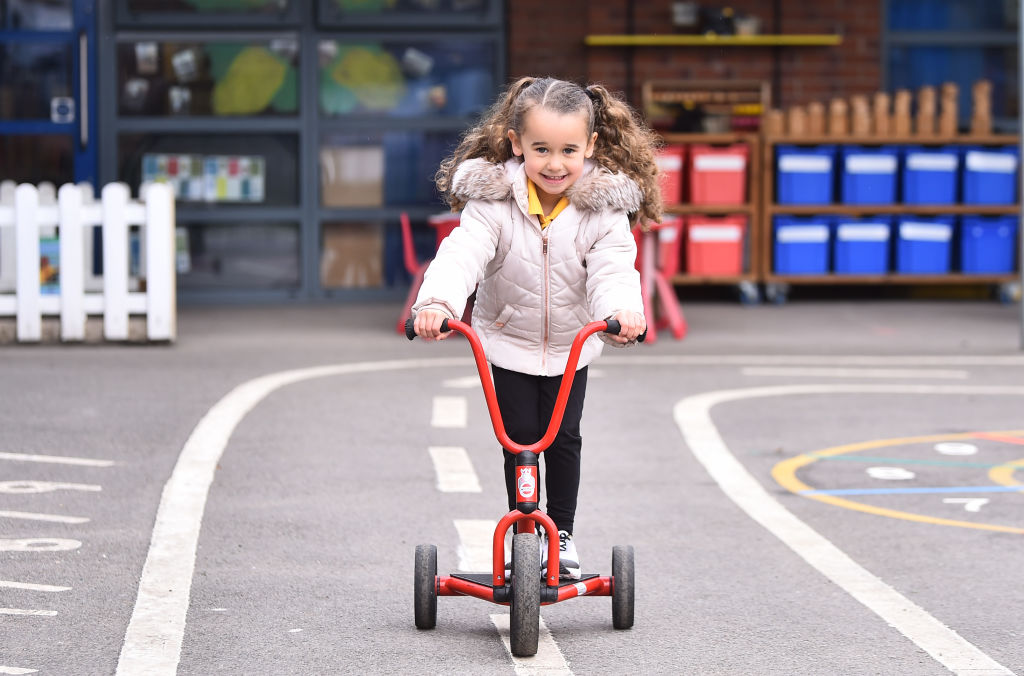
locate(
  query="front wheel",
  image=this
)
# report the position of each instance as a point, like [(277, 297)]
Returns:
[(524, 608), (622, 586), (425, 587)]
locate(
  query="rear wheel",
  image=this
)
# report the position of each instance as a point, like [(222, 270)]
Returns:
[(622, 586), (425, 587), (524, 621)]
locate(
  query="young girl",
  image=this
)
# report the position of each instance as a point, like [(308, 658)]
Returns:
[(549, 183)]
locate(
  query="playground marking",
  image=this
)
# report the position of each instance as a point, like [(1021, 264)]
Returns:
[(449, 412), (153, 639), (793, 372), (58, 459), (548, 661), (455, 473), (693, 417), (475, 536), (32, 587), (31, 613), (17, 671), (785, 473), (33, 516)]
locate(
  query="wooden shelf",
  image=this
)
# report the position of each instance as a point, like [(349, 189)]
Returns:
[(711, 209), (713, 40), (986, 140), (684, 279), (709, 139), (895, 209), (949, 278)]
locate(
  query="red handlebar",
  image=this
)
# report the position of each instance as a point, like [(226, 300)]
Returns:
[(488, 384)]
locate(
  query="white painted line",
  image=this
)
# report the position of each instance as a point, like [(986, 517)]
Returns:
[(55, 518), (810, 372), (20, 486), (152, 643), (548, 661), (32, 613), (475, 544), (39, 545), (812, 360), (58, 459), (693, 416), (449, 412), (455, 473), (16, 671), (463, 383), (32, 587)]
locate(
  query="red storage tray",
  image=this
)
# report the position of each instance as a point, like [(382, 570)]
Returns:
[(718, 175), (444, 224), (670, 244), (714, 245), (671, 161)]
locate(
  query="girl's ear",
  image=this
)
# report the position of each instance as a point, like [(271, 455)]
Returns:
[(589, 152), (517, 148)]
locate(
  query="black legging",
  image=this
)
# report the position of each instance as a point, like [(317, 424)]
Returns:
[(526, 404)]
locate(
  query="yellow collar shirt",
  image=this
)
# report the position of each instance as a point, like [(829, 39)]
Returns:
[(537, 210)]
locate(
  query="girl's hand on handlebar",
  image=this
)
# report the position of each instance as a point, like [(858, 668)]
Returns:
[(428, 325), (633, 324)]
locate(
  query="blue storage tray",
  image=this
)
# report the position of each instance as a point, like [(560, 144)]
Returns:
[(988, 245), (930, 175), (804, 175), (801, 245), (861, 246), (924, 245), (990, 175), (868, 175)]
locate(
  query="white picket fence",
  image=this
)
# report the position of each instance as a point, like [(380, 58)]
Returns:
[(28, 213)]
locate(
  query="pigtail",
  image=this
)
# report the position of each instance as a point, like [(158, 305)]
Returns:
[(488, 140), (625, 144)]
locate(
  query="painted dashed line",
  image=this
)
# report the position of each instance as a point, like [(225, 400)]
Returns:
[(475, 544), (20, 487), (785, 372), (449, 412), (28, 586), (33, 516), (455, 473), (548, 661), (58, 459), (22, 611), (17, 671), (38, 545)]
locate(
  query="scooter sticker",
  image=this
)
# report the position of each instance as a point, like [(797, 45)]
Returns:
[(527, 484)]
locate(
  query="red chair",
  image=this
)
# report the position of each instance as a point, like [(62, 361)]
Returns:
[(414, 267)]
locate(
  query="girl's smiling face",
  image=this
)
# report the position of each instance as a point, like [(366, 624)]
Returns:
[(553, 147)]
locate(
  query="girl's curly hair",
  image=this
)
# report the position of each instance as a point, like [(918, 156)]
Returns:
[(624, 143)]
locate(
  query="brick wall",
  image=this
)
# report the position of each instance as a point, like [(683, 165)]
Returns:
[(546, 38)]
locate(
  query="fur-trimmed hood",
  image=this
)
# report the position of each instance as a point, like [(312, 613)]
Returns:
[(596, 190)]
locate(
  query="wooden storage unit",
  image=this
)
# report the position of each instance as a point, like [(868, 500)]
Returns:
[(746, 282), (776, 285)]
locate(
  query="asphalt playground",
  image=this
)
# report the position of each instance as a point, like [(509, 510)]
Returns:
[(810, 488)]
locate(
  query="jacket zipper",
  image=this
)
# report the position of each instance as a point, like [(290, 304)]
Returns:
[(547, 309)]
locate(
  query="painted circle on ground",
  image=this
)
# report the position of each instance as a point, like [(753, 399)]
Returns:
[(1000, 460)]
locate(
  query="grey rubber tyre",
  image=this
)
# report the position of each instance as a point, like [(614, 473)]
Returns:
[(524, 609), (425, 587), (622, 586)]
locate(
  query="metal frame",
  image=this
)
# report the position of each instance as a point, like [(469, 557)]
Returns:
[(489, 17), (117, 24)]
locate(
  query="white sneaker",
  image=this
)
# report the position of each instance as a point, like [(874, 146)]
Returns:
[(568, 559), (542, 539)]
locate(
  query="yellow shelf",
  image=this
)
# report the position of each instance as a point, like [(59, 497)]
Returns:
[(712, 40)]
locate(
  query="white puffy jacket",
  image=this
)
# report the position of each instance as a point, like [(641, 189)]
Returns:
[(536, 288)]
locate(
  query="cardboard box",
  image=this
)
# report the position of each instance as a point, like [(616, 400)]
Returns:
[(352, 176), (352, 255)]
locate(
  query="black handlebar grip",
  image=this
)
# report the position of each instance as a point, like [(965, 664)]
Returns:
[(614, 327), (410, 332)]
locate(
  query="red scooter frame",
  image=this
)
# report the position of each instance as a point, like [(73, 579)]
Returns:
[(497, 588)]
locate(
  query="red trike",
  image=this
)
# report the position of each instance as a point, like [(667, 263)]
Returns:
[(523, 590)]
